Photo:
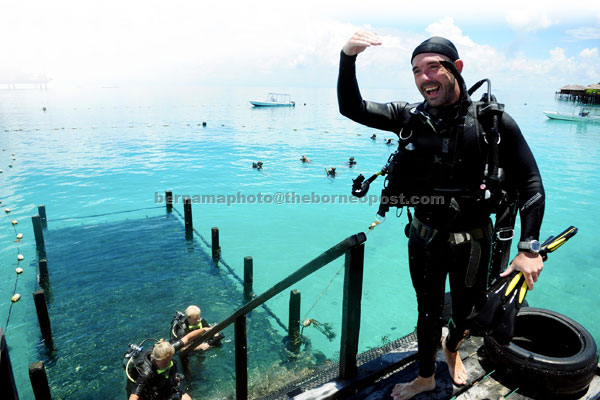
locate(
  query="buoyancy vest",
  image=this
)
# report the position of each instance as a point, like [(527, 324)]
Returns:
[(140, 367), (442, 162)]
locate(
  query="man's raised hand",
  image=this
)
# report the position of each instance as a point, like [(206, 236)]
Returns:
[(360, 41)]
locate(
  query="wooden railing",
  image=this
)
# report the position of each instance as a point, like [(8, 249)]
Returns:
[(353, 248)]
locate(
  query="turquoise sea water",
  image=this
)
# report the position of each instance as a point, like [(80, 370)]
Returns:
[(102, 151)]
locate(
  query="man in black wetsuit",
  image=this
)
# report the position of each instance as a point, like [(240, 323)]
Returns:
[(158, 380), (442, 152)]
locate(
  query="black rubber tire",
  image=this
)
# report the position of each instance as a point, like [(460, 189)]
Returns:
[(551, 356)]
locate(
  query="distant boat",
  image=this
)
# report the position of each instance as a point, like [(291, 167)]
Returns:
[(274, 100), (586, 114)]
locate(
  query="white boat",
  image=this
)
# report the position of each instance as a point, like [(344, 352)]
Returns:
[(586, 114), (274, 100)]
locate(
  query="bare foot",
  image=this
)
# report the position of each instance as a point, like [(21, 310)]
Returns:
[(404, 391), (456, 367)]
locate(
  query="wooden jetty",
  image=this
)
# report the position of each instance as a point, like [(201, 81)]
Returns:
[(369, 375), (381, 369)]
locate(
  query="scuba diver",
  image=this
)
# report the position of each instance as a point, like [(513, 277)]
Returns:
[(331, 172), (257, 165), (191, 320), (473, 160), (152, 373), (351, 162), (304, 159)]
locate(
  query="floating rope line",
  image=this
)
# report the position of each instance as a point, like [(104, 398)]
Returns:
[(138, 125), (103, 215), (15, 296)]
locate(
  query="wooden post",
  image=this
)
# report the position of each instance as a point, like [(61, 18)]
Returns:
[(216, 247), (187, 213), (248, 278), (353, 279), (39, 381), (294, 321), (169, 200), (44, 279), (42, 214), (39, 298), (7, 379), (36, 220), (241, 359)]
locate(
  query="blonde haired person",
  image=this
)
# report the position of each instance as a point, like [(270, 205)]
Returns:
[(183, 324), (158, 379)]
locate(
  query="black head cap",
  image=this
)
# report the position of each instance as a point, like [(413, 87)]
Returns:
[(437, 45)]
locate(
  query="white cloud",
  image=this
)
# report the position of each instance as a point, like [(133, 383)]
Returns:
[(243, 42), (589, 53), (529, 20), (584, 33)]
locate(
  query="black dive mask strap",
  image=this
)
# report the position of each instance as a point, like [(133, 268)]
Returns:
[(464, 95)]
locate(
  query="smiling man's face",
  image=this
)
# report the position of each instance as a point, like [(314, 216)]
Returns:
[(437, 85)]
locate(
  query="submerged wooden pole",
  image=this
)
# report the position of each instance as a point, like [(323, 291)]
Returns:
[(39, 298), (44, 278), (216, 247), (294, 321), (7, 379), (187, 213), (42, 214), (241, 359), (248, 278), (39, 381), (353, 280), (36, 221), (169, 200)]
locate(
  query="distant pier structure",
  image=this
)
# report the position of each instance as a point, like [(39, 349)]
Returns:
[(581, 94), (26, 82)]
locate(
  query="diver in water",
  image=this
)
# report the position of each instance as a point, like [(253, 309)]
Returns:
[(331, 172), (153, 375), (257, 165), (443, 150), (182, 324), (351, 162), (304, 159)]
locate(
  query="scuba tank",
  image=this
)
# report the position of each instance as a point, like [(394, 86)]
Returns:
[(178, 325), (135, 362)]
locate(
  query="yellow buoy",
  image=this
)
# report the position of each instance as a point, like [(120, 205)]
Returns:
[(7, 210), (19, 270), (20, 257), (14, 222), (19, 236), (16, 297)]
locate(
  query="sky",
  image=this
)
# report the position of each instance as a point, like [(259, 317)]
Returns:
[(292, 44)]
